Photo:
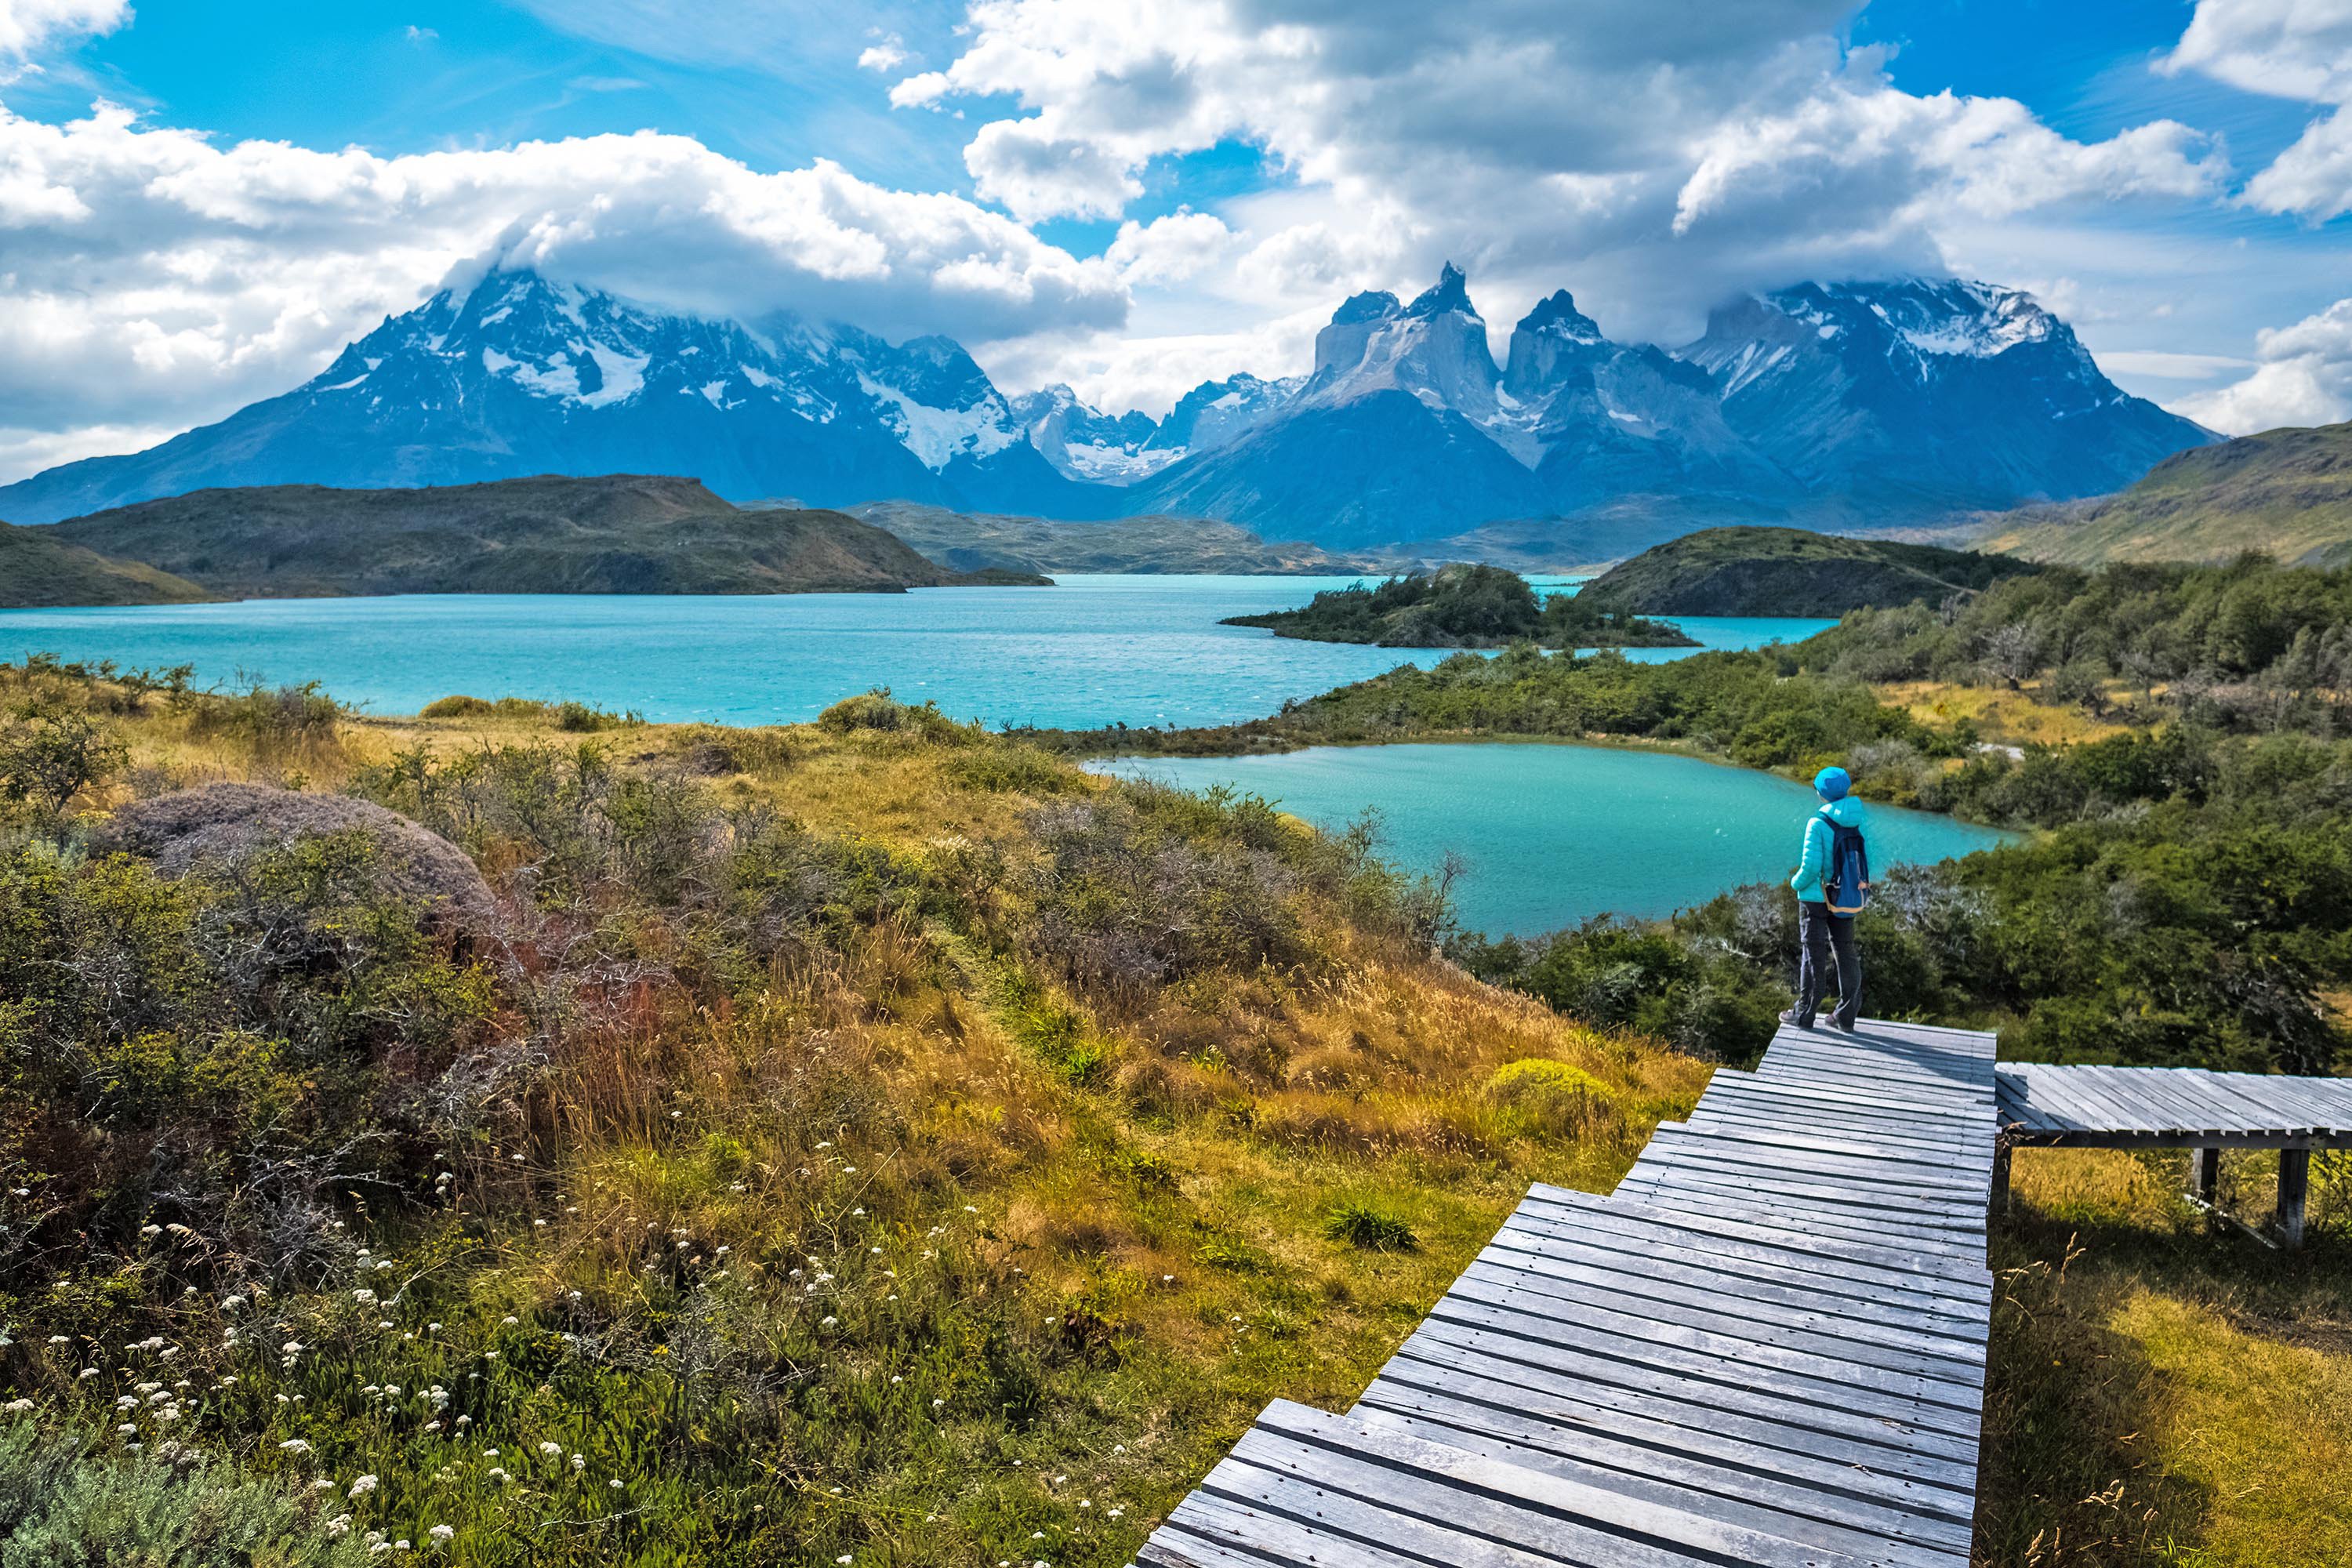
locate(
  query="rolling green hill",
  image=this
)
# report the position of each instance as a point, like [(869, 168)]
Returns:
[(1790, 572), (622, 533), (39, 570), (2284, 493)]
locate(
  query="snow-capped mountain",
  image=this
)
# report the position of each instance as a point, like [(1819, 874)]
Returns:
[(1833, 406), (1085, 443), (1909, 394), (1836, 406), (1217, 413), (520, 374)]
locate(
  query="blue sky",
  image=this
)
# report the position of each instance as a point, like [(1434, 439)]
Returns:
[(1133, 196)]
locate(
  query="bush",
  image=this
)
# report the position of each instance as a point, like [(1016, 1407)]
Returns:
[(64, 1506), (278, 723), (1372, 1228), (456, 707), (51, 750), (579, 718)]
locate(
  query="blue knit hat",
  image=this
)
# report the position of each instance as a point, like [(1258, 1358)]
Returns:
[(1831, 783)]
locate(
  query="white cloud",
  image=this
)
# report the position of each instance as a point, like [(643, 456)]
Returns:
[(2305, 378), (2299, 49), (1659, 156), (1859, 153), (1169, 250), (886, 53), (421, 35), (2285, 49), (150, 277), (2313, 176), (28, 26)]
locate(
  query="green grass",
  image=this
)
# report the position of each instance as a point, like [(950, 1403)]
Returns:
[(2163, 1394)]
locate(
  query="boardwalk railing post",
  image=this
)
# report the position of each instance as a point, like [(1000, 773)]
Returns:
[(2293, 1191), (2204, 1176), (1999, 1206)]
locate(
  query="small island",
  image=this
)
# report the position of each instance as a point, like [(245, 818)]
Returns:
[(1462, 606)]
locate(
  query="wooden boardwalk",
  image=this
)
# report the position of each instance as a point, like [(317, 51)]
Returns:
[(2178, 1108), (1766, 1347)]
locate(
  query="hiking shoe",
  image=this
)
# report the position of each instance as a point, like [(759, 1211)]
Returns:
[(1791, 1017), (1843, 1027)]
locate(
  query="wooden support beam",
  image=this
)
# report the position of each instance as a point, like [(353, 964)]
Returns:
[(2204, 1174), (2293, 1191), (1999, 1205)]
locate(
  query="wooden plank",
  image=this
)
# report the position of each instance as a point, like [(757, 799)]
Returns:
[(1846, 1478), (1773, 1506), (1691, 1297), (1756, 1355), (1848, 1285), (1966, 1281), (1526, 1509), (1886, 1435)]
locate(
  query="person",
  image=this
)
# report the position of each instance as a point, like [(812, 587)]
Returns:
[(1824, 936)]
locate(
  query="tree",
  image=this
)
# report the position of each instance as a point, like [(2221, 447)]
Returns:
[(51, 750)]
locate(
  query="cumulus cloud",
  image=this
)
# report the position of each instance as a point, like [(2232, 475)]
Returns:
[(2299, 49), (30, 26), (1169, 250), (147, 273), (886, 53), (1661, 155), (2304, 378), (2285, 49)]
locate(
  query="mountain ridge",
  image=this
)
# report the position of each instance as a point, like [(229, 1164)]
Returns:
[(1860, 404)]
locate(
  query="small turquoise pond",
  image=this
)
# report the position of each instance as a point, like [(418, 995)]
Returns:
[(1553, 834)]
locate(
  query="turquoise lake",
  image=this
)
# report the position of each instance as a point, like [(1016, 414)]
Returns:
[(1553, 834), (1094, 650)]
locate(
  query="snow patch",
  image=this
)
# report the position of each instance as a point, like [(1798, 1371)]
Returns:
[(938, 436), (624, 376)]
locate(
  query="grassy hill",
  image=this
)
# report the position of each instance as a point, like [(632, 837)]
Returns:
[(38, 570), (1790, 572), (621, 533), (2284, 493), (1460, 607), (969, 542)]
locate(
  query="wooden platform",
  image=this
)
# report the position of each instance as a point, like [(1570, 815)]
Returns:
[(2178, 1108), (1766, 1347)]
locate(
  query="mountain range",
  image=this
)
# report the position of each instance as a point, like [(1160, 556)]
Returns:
[(1840, 406)]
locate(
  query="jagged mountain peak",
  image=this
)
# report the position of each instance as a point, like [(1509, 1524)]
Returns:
[(1450, 292), (1372, 305), (1556, 314)]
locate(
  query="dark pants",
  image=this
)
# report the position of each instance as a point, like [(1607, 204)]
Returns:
[(1821, 936)]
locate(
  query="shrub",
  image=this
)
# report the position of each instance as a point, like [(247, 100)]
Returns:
[(456, 707), (51, 750), (64, 1506), (878, 710), (277, 725), (1374, 1229), (579, 718)]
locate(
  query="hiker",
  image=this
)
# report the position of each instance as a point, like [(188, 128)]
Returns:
[(1832, 882)]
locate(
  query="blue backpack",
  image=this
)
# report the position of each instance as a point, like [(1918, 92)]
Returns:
[(1845, 883)]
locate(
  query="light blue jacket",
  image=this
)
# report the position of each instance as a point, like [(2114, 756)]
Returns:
[(1817, 838)]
